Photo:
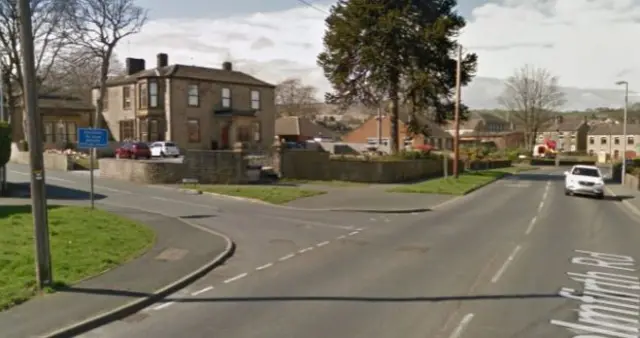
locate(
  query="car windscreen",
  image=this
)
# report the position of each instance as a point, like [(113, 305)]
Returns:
[(142, 146), (586, 172), (169, 144)]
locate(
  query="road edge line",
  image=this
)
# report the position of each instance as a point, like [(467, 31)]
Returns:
[(630, 206), (137, 305)]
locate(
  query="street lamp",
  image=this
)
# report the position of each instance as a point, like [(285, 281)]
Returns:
[(624, 129)]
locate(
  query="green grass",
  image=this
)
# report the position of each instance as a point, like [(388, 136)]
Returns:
[(465, 183), (84, 243), (273, 195), (82, 163)]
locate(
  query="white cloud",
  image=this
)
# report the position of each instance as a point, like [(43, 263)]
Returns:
[(587, 43)]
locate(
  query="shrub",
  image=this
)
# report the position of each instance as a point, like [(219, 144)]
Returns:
[(5, 143)]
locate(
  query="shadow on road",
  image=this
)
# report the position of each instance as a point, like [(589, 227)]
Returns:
[(126, 293), (197, 216), (23, 190), (618, 198)]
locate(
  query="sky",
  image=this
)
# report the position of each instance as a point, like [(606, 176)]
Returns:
[(586, 43)]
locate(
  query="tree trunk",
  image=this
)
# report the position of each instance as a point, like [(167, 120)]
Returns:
[(393, 116)]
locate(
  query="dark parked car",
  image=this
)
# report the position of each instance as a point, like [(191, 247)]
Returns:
[(134, 151)]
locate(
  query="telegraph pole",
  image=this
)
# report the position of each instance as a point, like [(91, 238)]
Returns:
[(44, 274), (456, 122), (3, 118)]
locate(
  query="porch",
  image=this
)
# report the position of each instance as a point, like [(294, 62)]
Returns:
[(235, 126)]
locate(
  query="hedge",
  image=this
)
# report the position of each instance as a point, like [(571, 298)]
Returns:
[(5, 143)]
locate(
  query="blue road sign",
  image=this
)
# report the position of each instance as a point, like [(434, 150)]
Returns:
[(92, 138)]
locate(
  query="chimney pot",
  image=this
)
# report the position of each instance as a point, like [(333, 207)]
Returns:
[(227, 66), (162, 60)]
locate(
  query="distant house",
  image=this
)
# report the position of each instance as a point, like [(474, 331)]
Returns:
[(301, 129), (608, 138), (569, 133), (367, 133), (487, 128)]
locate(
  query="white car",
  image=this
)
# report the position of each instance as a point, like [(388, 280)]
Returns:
[(584, 180), (164, 149)]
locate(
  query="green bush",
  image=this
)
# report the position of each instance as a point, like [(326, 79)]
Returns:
[(5, 143)]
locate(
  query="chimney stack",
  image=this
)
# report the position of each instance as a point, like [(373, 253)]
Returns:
[(134, 65), (162, 60), (227, 66)]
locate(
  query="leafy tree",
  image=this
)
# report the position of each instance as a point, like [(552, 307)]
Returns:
[(400, 51)]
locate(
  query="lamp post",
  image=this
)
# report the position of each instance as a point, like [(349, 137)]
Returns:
[(624, 129)]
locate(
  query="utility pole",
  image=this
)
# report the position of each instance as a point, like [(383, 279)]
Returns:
[(44, 274), (3, 118), (624, 130), (456, 121), (379, 125)]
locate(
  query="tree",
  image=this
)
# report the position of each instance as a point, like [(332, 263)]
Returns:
[(397, 50), (77, 70), (293, 98), (98, 26), (532, 95), (50, 37)]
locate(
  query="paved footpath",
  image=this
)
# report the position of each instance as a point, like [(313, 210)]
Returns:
[(180, 249)]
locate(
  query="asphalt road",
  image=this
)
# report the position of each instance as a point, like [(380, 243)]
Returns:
[(489, 265)]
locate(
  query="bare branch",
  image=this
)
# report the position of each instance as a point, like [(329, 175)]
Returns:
[(296, 99)]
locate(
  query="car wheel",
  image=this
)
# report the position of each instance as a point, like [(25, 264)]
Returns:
[(600, 196), (176, 156), (567, 192), (163, 155)]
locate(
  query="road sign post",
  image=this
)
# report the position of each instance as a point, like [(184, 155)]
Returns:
[(92, 138)]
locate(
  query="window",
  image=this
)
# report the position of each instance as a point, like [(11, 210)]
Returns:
[(127, 130), (257, 135), (193, 130), (126, 97), (243, 134), (226, 98), (630, 140), (374, 141), (255, 99), (72, 129), (154, 130), (49, 135), (153, 93), (142, 96), (603, 140), (592, 140), (616, 140), (143, 130), (61, 132), (194, 97)]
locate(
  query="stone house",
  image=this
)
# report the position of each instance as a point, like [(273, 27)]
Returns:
[(368, 133), (608, 138), (487, 128), (61, 117), (196, 107), (570, 134)]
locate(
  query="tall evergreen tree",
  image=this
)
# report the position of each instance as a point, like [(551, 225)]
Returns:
[(405, 49)]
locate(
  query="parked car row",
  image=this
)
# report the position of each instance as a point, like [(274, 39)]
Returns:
[(142, 150)]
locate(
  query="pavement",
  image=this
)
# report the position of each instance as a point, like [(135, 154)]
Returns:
[(515, 259)]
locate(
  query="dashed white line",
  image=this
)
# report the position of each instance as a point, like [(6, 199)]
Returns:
[(457, 333), (262, 267), (284, 258), (321, 244), (113, 190), (59, 179), (504, 266), (353, 233), (342, 237), (541, 205), (164, 305), (208, 288), (233, 279), (305, 249), (531, 225)]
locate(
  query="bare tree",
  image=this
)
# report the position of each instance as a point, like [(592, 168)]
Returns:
[(293, 98), (98, 26), (77, 70), (531, 96), (50, 37)]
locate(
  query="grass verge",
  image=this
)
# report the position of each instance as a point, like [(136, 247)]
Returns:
[(465, 183), (83, 163), (273, 195), (84, 243), (323, 183)]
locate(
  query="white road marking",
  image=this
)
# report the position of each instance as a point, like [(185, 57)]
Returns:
[(360, 229), (284, 258), (208, 288), (305, 250), (504, 266), (262, 267), (233, 279), (312, 223), (544, 196), (353, 233), (321, 244), (112, 189), (19, 173), (58, 179), (457, 333), (164, 305), (531, 225), (373, 219), (541, 205), (342, 237)]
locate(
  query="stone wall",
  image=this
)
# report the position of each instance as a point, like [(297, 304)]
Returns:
[(51, 161), (632, 181), (208, 167), (318, 165)]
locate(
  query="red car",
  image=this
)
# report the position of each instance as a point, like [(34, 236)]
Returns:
[(134, 151)]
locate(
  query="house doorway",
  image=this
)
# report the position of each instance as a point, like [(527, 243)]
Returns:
[(224, 136)]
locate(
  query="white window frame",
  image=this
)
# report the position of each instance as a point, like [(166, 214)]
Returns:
[(374, 141), (226, 98), (255, 99), (191, 95)]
